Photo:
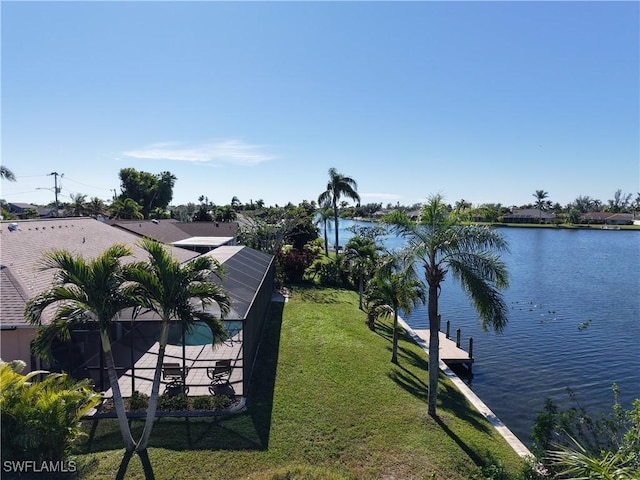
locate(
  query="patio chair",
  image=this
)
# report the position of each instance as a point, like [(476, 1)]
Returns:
[(220, 374), (174, 374)]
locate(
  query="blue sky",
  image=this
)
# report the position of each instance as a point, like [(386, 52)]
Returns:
[(486, 101)]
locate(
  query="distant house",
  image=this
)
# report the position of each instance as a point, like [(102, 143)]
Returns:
[(529, 215), (607, 218), (197, 236), (249, 277), (22, 209)]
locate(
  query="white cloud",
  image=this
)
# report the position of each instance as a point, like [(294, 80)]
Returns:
[(381, 196), (233, 152)]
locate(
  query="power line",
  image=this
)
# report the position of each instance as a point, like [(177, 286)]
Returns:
[(86, 185)]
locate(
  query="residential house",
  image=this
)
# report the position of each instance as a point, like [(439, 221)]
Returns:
[(607, 218), (248, 280), (197, 236), (529, 215), (21, 209)]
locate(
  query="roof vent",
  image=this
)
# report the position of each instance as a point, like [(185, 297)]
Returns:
[(13, 227)]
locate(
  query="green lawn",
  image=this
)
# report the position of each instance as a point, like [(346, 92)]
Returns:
[(325, 403)]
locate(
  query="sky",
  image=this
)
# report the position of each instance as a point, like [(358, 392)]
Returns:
[(482, 101)]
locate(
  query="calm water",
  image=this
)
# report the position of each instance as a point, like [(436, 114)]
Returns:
[(574, 321)]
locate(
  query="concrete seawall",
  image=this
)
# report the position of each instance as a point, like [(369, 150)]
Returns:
[(478, 404)]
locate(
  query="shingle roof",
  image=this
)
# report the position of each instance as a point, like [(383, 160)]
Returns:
[(530, 213), (21, 251), (14, 299), (170, 230)]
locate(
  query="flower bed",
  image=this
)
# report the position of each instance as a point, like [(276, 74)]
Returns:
[(136, 405)]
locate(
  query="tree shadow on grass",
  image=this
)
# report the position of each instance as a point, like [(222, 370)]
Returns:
[(246, 430), (451, 399), (477, 459), (410, 382)]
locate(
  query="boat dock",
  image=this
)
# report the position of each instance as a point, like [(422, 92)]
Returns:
[(450, 351)]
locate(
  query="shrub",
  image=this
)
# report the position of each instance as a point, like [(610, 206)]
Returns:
[(173, 402), (204, 402), (138, 401), (294, 263), (220, 402), (41, 419)]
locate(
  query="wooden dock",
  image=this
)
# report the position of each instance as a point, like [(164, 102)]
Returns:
[(450, 353)]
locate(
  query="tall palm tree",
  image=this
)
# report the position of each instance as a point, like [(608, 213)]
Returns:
[(339, 185), (326, 212), (360, 254), (176, 293), (440, 244), (395, 286), (540, 196), (7, 174), (84, 291)]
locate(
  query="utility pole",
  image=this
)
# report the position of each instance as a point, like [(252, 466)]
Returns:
[(56, 189)]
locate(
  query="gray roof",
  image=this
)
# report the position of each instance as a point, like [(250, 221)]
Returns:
[(170, 230), (530, 213), (21, 251)]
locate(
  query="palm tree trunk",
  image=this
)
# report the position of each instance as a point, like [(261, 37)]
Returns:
[(360, 290), (155, 390), (394, 344), (326, 239), (434, 349), (335, 221), (118, 401)]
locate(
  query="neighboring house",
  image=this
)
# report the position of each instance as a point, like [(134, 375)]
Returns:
[(248, 279), (197, 236), (607, 218), (21, 209), (530, 215)]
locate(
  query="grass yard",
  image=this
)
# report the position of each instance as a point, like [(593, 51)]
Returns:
[(325, 403)]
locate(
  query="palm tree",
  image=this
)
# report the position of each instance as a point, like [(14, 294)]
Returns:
[(30, 407), (577, 463), (339, 185), (84, 291), (7, 174), (540, 196), (395, 286), (360, 254), (96, 207), (126, 209), (172, 291), (326, 212), (78, 206), (470, 253)]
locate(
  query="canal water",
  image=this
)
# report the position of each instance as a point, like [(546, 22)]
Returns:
[(574, 322)]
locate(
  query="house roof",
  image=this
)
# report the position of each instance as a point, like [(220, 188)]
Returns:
[(170, 230), (607, 216), (530, 213), (203, 242), (22, 249)]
